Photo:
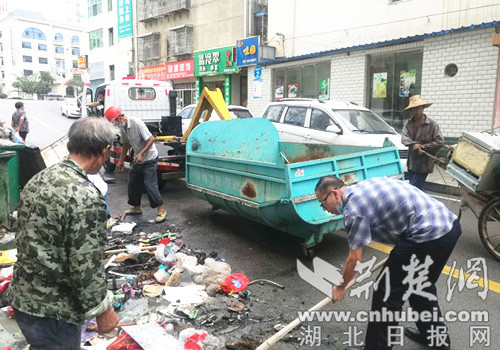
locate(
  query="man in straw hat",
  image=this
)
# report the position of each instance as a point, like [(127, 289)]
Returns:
[(422, 135)]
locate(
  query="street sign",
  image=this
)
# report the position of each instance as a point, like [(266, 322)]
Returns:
[(125, 28), (257, 72)]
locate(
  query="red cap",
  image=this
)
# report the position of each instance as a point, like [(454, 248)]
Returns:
[(112, 113)]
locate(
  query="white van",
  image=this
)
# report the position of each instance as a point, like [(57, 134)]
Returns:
[(331, 122), (142, 99)]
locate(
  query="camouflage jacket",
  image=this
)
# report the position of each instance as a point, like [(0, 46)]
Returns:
[(60, 245)]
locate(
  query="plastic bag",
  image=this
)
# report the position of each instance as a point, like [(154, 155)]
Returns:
[(235, 283), (165, 254), (16, 137)]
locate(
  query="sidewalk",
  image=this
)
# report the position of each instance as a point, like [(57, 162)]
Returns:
[(439, 181)]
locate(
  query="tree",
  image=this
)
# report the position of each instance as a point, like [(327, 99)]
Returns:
[(77, 81), (45, 83), (27, 84), (39, 84)]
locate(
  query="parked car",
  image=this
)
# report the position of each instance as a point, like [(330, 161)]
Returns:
[(394, 118), (71, 108), (333, 123), (237, 112)]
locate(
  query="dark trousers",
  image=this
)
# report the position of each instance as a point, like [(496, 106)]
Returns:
[(439, 250), (23, 134), (48, 333), (417, 179), (143, 176)]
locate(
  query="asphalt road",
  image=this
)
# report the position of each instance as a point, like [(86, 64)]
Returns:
[(262, 252), (47, 124)]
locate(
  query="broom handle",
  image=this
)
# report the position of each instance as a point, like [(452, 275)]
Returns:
[(276, 337)]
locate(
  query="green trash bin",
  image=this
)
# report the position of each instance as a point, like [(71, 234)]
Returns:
[(13, 168), (5, 158)]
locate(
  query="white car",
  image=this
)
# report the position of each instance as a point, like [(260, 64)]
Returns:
[(333, 123), (237, 112), (70, 108)]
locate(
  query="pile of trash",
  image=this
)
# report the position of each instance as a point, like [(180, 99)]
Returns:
[(170, 296), (8, 136)]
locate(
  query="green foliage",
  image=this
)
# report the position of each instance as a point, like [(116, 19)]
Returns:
[(77, 81), (39, 84)]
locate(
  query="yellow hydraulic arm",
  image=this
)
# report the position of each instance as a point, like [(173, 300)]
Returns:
[(209, 101)]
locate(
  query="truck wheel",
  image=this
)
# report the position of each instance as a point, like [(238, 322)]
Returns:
[(308, 252), (489, 227)]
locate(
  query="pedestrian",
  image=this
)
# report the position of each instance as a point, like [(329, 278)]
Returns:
[(19, 121), (59, 279), (421, 134), (393, 211), (142, 173)]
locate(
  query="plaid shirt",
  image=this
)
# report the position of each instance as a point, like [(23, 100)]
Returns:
[(387, 210)]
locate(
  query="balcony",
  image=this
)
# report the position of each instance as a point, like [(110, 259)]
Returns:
[(180, 41), (152, 9)]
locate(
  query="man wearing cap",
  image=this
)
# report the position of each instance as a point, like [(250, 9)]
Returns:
[(422, 135), (142, 173)]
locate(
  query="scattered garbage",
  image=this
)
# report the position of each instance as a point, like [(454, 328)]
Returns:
[(235, 283), (124, 227)]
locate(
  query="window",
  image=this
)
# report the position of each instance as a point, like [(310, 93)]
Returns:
[(301, 81), (75, 64), (273, 113), (137, 93), (33, 33), (320, 120), (59, 49), (111, 39), (58, 37), (43, 60), (112, 72), (42, 47), (95, 39), (110, 5), (27, 72), (60, 64), (27, 59), (295, 116), (75, 52), (95, 7), (75, 40), (26, 45), (392, 79)]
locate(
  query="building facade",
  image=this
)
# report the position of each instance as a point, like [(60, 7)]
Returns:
[(110, 40), (179, 40), (30, 44), (443, 50)]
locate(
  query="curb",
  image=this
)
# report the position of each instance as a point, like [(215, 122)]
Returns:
[(441, 188)]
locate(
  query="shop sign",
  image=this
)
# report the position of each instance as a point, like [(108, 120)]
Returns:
[(180, 69), (168, 71), (324, 89), (153, 72), (215, 61), (124, 10), (257, 72), (82, 62), (247, 51)]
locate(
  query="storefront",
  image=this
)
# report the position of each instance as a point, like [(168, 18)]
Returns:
[(302, 81), (180, 74), (216, 68)]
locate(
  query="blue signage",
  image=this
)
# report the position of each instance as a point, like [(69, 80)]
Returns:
[(257, 72), (125, 21), (247, 51)]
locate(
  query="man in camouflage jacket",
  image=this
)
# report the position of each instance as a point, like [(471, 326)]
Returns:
[(59, 280)]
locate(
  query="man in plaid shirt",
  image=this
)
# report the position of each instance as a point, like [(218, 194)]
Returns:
[(393, 211)]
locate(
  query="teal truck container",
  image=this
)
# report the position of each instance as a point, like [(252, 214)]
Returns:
[(242, 167)]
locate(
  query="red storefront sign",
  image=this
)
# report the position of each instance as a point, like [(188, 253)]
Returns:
[(180, 69), (153, 72), (168, 71)]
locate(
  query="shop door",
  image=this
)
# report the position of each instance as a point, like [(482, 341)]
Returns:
[(212, 85)]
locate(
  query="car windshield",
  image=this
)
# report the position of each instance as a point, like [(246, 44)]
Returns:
[(240, 114), (364, 121)]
